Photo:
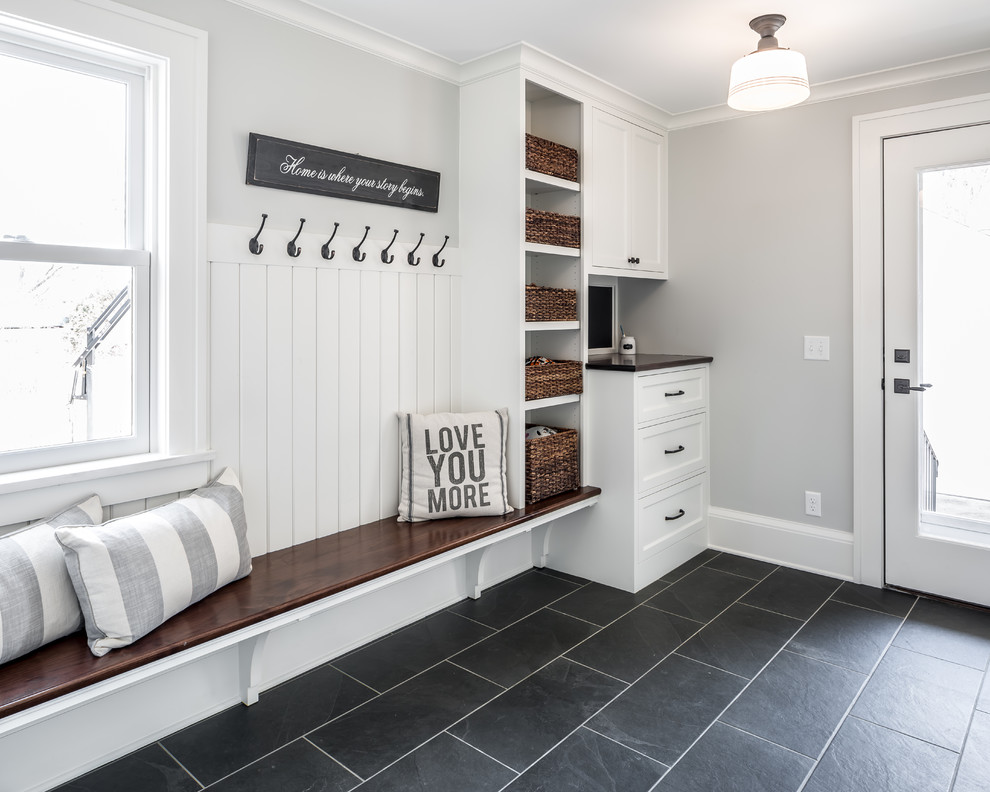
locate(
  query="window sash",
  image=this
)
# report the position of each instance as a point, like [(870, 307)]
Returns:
[(136, 76)]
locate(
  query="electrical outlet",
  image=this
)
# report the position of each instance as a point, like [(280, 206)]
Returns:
[(816, 347), (813, 503)]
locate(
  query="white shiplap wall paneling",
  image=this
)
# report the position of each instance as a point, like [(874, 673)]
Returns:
[(311, 361), (388, 390), (304, 390), (279, 423), (349, 408), (253, 398), (327, 402)]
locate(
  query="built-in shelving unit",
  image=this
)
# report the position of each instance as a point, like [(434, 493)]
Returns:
[(497, 112), (558, 118)]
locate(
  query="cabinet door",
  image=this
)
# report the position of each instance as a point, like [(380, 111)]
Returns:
[(610, 201), (646, 200), (627, 198)]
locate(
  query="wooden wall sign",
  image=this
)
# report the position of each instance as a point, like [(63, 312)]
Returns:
[(285, 165)]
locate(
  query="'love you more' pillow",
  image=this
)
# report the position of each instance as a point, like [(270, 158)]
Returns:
[(452, 465)]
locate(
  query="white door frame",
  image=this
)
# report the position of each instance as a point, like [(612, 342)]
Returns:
[(869, 132)]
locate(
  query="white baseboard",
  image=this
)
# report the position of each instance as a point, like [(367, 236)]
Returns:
[(826, 551)]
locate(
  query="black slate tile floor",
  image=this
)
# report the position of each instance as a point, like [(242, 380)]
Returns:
[(727, 674)]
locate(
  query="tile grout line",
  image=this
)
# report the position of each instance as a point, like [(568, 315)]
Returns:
[(180, 764), (478, 750), (629, 685), (969, 726), (333, 759), (750, 682), (852, 704)]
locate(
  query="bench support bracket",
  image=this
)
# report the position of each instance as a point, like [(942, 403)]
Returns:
[(474, 566), (541, 543), (252, 651)]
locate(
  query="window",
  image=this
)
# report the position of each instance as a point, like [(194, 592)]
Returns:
[(151, 236), (74, 269)]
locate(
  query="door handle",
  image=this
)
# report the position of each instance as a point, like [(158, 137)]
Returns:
[(905, 386)]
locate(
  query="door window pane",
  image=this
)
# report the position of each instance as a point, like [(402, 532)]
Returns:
[(955, 237)]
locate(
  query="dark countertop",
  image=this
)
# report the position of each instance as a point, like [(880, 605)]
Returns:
[(643, 362)]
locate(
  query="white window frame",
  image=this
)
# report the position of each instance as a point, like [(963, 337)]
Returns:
[(175, 57), (135, 77)]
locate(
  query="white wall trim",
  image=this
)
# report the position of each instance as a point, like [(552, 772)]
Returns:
[(826, 551), (302, 14), (869, 132), (913, 74)]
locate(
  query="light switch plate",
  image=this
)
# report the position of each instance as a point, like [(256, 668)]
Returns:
[(816, 347)]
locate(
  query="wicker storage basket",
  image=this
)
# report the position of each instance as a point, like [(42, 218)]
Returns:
[(544, 304), (553, 159), (550, 228), (554, 379), (552, 465)]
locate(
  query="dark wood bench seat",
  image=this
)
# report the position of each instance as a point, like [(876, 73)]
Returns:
[(281, 581)]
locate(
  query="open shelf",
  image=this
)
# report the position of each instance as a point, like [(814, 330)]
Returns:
[(539, 404), (537, 183), (553, 326), (552, 250)]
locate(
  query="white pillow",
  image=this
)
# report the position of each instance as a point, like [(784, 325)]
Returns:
[(134, 573), (452, 465), (37, 601)]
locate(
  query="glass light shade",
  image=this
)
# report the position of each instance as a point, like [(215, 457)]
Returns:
[(768, 79)]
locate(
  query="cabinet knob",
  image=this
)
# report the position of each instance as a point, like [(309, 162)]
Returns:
[(634, 260)]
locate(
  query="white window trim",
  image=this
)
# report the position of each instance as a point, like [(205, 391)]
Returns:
[(179, 313), (869, 132)]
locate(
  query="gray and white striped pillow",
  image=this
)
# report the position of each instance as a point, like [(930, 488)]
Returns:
[(37, 602), (134, 573)]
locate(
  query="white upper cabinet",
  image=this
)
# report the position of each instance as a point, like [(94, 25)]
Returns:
[(627, 221)]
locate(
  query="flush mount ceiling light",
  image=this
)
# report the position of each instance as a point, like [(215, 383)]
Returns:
[(772, 77)]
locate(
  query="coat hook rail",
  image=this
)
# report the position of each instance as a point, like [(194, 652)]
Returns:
[(386, 258), (291, 248), (436, 256), (325, 251), (358, 255), (254, 245), (409, 257)]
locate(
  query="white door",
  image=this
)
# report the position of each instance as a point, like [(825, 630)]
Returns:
[(936, 380)]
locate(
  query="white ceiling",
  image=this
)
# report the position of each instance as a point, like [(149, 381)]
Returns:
[(676, 54)]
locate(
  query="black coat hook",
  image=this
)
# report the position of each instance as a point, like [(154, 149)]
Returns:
[(358, 255), (254, 245), (291, 248), (386, 258), (409, 258), (436, 256), (325, 251)]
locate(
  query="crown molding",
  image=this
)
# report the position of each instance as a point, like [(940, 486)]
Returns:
[(304, 15), (915, 74)]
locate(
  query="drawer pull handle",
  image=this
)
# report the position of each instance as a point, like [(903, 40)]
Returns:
[(680, 513), (675, 451), (678, 393)]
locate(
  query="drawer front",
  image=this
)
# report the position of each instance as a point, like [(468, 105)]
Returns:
[(670, 392), (667, 516), (671, 450)]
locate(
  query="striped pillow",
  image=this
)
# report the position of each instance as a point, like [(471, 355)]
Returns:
[(37, 602), (134, 573)]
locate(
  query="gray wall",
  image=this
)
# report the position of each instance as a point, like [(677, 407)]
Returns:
[(760, 256), (276, 79)]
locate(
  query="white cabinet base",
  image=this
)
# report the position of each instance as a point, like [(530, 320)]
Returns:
[(652, 515)]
